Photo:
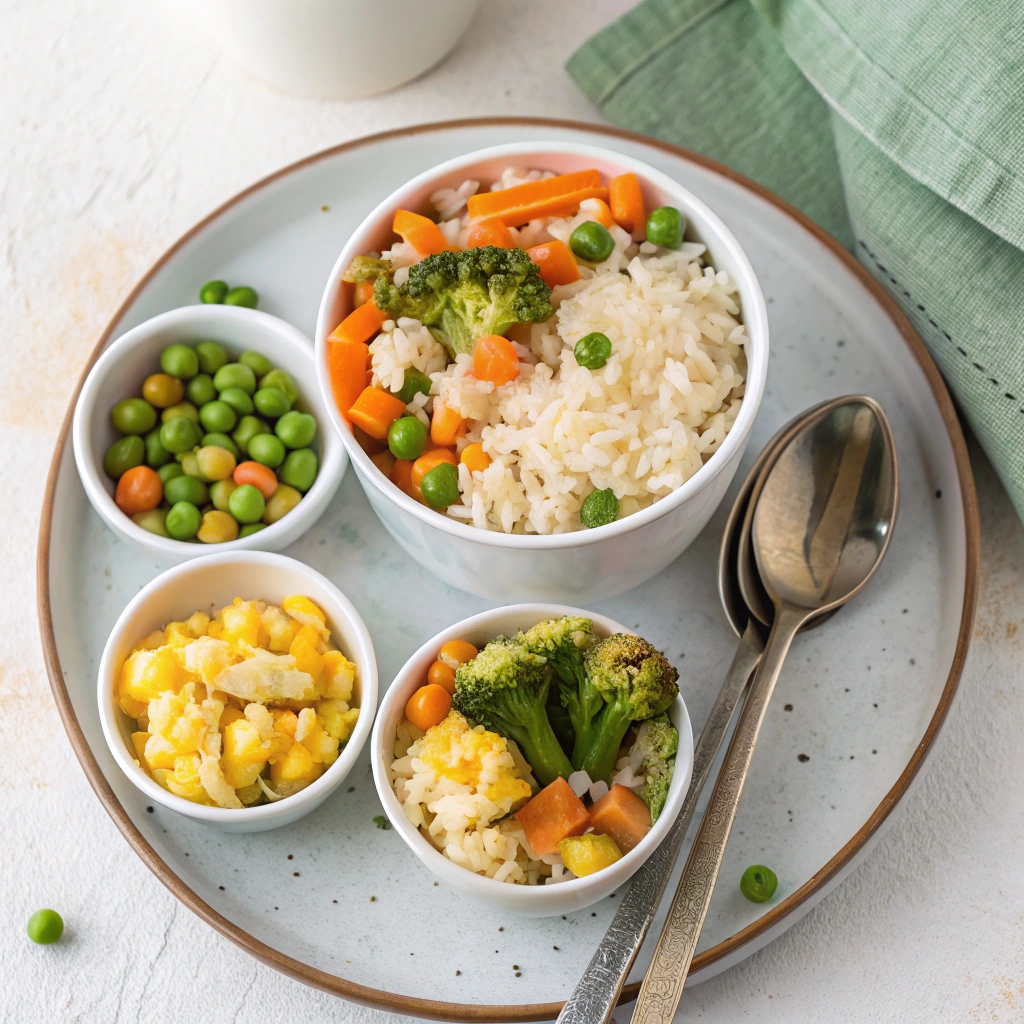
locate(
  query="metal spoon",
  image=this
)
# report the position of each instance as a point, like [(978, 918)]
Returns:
[(597, 993), (821, 527)]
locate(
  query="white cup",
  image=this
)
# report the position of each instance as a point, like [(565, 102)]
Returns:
[(336, 49)]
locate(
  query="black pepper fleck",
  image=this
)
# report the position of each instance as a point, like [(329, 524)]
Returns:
[(787, 707), (554, 947), (519, 974), (938, 494), (502, 928), (874, 751), (373, 899), (457, 973), (334, 901), (351, 789), (291, 856), (802, 757), (221, 887), (295, 874), (149, 810), (594, 914)]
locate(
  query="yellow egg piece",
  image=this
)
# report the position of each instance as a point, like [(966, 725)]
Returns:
[(583, 855)]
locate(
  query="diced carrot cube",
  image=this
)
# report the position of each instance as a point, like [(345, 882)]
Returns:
[(555, 813), (621, 814)]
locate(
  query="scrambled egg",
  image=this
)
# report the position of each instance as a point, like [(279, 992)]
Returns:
[(472, 756), (249, 706)]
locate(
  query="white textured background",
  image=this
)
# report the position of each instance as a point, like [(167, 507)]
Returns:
[(120, 126)]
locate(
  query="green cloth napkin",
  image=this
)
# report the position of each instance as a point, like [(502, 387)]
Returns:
[(898, 127)]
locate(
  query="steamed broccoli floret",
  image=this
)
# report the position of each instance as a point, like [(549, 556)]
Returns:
[(367, 268), (505, 689), (636, 682), (563, 642), (461, 296), (655, 749)]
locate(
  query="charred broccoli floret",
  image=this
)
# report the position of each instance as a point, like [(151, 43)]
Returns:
[(461, 296), (636, 682), (505, 689), (563, 642), (655, 754)]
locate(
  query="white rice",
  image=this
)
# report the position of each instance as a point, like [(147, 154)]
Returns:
[(641, 425)]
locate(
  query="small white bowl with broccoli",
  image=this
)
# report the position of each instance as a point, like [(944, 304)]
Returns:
[(563, 733)]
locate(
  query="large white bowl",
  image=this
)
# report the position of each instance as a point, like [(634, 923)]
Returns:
[(204, 584), (588, 565), (122, 368), (527, 900)]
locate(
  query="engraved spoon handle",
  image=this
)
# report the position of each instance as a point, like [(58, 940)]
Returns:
[(594, 998), (663, 984)]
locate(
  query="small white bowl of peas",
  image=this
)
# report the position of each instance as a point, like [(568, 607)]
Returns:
[(203, 428)]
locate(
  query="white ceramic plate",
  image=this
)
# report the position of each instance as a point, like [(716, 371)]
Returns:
[(858, 707)]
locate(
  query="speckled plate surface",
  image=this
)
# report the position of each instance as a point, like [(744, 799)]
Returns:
[(340, 904)]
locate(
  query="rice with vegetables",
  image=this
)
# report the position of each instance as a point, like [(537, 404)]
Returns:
[(531, 445), (541, 758)]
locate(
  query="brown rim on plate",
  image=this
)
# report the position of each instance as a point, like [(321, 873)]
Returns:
[(438, 1009)]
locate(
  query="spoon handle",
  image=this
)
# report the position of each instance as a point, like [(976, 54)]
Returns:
[(594, 998), (663, 984)]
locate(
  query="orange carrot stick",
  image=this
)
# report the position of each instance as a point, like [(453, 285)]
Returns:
[(490, 231), (532, 199), (598, 210), (364, 291), (347, 364), (360, 325), (420, 232), (375, 410), (556, 261), (494, 360), (446, 424), (627, 202)]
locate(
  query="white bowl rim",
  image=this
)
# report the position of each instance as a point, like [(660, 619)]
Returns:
[(463, 878), (755, 318), (333, 454), (363, 656)]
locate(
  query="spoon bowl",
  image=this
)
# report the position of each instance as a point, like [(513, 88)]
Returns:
[(824, 515)]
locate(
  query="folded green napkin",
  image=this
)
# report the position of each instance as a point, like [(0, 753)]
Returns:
[(898, 127)]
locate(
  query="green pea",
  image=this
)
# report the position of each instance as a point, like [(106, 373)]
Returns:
[(268, 449), (414, 383), (440, 486), (169, 472), (246, 504), (221, 441), (599, 509), (250, 528), (218, 416), (45, 926), (180, 434), (123, 455), (133, 416), (235, 375), (593, 350), (591, 241), (156, 454), (212, 356), (220, 492), (300, 467), (407, 438), (283, 382), (183, 520), (271, 402), (200, 390), (257, 362), (186, 409), (242, 296), (179, 361), (152, 521), (296, 429), (186, 488), (758, 883), (248, 427), (238, 400), (665, 227), (213, 292)]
